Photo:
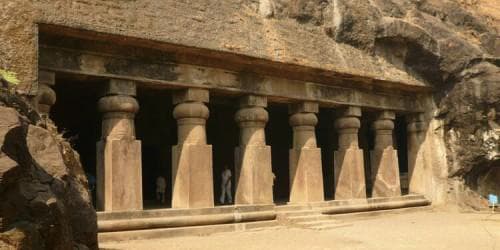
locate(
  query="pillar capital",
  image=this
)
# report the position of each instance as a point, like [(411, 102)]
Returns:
[(253, 101), (303, 107), (350, 111), (348, 125), (191, 95), (191, 114), (120, 87), (118, 107), (386, 115)]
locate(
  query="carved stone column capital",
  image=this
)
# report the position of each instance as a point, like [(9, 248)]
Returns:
[(252, 118), (118, 107), (191, 114), (347, 126), (383, 127)]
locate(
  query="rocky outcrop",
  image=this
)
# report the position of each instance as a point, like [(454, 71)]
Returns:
[(45, 203)]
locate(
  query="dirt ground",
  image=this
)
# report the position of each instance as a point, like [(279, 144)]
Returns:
[(415, 230)]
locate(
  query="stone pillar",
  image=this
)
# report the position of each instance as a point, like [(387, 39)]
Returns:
[(254, 177), (384, 158), (349, 170), (306, 175), (46, 96), (416, 170), (192, 176), (119, 180)]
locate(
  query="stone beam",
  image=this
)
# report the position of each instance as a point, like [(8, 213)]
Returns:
[(174, 75)]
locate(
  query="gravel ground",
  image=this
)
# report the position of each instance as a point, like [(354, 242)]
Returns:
[(416, 230)]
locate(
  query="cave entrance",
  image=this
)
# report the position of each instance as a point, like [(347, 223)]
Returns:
[(279, 136), (77, 119), (327, 140), (222, 134), (400, 141), (366, 142), (157, 130)]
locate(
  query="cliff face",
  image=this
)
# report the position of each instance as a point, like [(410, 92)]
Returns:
[(453, 46)]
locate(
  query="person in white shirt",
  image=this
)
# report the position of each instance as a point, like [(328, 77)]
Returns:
[(161, 184), (226, 186)]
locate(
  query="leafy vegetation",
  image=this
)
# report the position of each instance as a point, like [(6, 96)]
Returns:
[(9, 76)]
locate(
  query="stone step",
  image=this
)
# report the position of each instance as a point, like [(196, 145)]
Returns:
[(184, 231), (173, 212), (374, 204), (368, 214), (182, 221)]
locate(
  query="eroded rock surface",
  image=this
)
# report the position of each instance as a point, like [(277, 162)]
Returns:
[(45, 202), (453, 46)]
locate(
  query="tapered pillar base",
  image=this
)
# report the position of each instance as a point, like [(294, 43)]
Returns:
[(192, 177), (306, 176), (254, 177), (385, 173), (349, 174), (119, 180)]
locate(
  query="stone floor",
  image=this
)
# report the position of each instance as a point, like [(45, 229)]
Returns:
[(415, 230)]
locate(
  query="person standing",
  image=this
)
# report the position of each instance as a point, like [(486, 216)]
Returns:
[(161, 185), (226, 186)]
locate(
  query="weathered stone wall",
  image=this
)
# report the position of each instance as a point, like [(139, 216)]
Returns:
[(235, 26)]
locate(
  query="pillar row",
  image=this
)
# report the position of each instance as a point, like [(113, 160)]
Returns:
[(254, 177), (384, 158), (192, 176), (46, 96), (119, 181), (349, 174), (416, 170), (306, 176)]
